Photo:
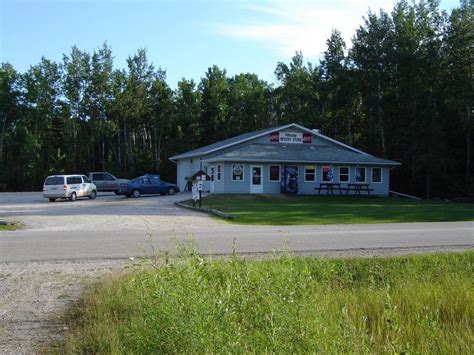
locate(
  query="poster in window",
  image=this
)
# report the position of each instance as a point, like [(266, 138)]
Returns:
[(328, 173), (237, 172), (274, 173), (360, 174)]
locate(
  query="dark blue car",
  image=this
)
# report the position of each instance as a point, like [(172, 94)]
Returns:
[(146, 185)]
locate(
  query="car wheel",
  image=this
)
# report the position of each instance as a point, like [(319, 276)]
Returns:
[(171, 191), (136, 193), (116, 192), (52, 199), (72, 197), (93, 195)]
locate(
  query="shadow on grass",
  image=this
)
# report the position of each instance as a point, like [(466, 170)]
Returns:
[(290, 210)]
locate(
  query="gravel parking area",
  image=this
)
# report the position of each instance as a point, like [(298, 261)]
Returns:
[(107, 212)]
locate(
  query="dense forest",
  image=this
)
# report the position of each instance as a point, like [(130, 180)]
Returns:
[(403, 90)]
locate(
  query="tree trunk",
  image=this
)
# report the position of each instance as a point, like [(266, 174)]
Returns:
[(103, 154), (157, 163), (118, 155), (380, 119), (2, 137), (125, 146), (428, 187), (74, 144), (349, 132), (468, 141)]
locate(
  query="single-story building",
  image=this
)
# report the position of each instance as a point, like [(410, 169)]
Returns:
[(288, 159)]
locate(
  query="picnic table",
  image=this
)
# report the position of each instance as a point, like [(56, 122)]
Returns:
[(329, 187), (358, 188)]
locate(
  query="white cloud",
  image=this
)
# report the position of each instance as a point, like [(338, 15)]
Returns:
[(301, 25)]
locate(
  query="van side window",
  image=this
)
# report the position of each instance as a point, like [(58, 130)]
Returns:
[(108, 177), (97, 177), (71, 180)]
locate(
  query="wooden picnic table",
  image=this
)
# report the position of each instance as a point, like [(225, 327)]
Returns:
[(358, 188), (329, 187)]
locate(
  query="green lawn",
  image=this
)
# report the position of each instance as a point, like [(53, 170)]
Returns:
[(419, 304), (293, 210)]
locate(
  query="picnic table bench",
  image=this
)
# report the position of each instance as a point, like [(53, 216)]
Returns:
[(329, 187), (358, 188)]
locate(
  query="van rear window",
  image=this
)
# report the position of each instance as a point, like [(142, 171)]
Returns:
[(54, 180)]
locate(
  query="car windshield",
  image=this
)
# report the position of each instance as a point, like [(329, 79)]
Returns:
[(54, 180)]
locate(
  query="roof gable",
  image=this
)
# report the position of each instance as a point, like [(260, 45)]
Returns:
[(253, 135)]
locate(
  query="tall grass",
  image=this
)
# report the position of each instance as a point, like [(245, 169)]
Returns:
[(420, 304)]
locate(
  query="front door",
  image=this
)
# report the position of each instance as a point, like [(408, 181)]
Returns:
[(289, 180), (256, 186)]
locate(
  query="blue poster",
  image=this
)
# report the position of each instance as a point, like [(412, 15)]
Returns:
[(289, 180)]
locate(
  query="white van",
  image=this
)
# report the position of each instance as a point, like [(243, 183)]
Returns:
[(68, 186)]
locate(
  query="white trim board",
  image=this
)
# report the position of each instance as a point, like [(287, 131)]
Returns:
[(280, 161)]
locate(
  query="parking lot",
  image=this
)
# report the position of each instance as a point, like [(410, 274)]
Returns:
[(107, 212)]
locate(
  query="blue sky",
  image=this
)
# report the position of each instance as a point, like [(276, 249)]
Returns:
[(183, 37)]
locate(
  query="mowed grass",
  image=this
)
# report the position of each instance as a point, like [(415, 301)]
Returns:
[(417, 304), (293, 210)]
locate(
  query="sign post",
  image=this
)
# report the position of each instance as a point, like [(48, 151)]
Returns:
[(194, 189), (197, 185), (200, 192)]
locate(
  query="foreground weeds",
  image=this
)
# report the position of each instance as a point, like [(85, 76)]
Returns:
[(419, 304)]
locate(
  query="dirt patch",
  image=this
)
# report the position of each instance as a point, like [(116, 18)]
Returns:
[(34, 295)]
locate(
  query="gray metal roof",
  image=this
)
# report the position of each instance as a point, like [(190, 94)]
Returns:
[(299, 153), (227, 142)]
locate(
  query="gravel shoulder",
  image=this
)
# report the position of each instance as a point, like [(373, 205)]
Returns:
[(34, 295)]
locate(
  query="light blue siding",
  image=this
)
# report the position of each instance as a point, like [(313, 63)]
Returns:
[(226, 185), (187, 167)]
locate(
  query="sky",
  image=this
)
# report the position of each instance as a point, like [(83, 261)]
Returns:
[(182, 37)]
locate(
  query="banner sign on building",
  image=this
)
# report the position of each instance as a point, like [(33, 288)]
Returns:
[(291, 137)]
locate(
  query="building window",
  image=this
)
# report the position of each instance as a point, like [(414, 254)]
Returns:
[(212, 173), (377, 175), (237, 172), (327, 174), (309, 173), (360, 174), (219, 172), (274, 173), (343, 174)]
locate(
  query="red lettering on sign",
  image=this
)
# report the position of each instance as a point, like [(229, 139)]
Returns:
[(307, 138), (275, 137)]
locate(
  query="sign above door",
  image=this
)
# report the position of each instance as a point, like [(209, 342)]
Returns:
[(291, 137)]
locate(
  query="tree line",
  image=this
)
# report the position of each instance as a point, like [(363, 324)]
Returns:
[(402, 91)]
